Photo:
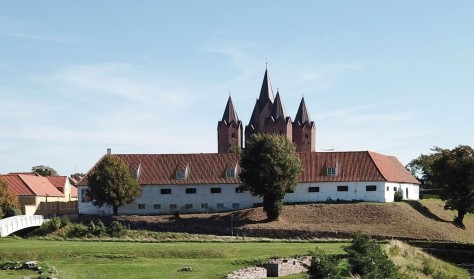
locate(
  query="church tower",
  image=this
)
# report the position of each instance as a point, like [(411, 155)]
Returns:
[(269, 114), (304, 130), (229, 130)]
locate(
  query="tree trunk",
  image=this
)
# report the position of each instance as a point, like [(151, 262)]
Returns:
[(115, 210), (459, 219), (272, 207)]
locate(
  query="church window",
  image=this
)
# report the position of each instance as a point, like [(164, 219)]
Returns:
[(190, 190), (141, 206), (305, 136), (331, 171), (313, 189), (157, 206), (215, 190), (233, 135), (371, 188), (342, 188), (204, 205)]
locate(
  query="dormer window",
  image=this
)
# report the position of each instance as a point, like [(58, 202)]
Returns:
[(331, 171), (230, 173), (180, 174)]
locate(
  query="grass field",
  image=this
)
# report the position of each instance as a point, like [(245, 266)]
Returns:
[(90, 260)]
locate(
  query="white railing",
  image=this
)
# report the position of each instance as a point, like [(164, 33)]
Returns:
[(12, 224)]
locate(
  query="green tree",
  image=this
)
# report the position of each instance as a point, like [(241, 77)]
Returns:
[(7, 198), (368, 260), (421, 166), (44, 170), (270, 168), (112, 184), (453, 173)]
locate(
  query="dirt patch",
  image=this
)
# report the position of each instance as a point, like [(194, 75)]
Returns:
[(425, 219)]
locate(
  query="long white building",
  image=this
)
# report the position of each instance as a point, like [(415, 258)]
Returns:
[(209, 182)]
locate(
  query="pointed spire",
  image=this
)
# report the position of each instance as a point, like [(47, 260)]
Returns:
[(278, 110), (266, 93), (302, 115), (230, 114)]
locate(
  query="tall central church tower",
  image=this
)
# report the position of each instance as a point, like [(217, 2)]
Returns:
[(268, 116)]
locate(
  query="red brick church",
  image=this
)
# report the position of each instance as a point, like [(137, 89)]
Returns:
[(268, 116)]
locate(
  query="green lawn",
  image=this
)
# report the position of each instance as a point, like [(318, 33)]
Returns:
[(90, 260)]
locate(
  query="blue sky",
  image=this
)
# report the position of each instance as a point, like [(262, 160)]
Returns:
[(78, 77)]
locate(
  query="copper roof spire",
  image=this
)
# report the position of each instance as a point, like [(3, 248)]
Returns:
[(230, 114), (302, 115)]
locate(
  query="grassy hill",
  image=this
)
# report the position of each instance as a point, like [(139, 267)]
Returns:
[(424, 219)]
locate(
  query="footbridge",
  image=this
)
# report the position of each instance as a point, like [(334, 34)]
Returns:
[(12, 224)]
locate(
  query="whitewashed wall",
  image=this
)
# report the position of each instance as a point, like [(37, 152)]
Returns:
[(152, 201)]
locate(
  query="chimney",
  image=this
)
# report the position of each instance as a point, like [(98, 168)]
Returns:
[(109, 151)]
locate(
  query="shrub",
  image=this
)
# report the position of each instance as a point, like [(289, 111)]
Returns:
[(55, 223), (98, 229), (368, 260), (398, 196), (78, 230), (117, 229), (324, 266), (10, 212), (1, 213)]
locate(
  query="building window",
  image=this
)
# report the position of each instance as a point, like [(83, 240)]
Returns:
[(313, 189), (235, 205), (173, 206), (220, 206), (215, 190), (84, 197), (233, 135), (388, 188), (190, 190), (331, 171), (305, 136), (141, 206), (371, 188), (181, 174), (204, 205), (395, 189), (166, 191), (157, 206), (342, 188), (238, 190), (189, 206), (230, 173)]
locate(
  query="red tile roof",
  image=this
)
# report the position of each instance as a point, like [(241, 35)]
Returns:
[(57, 181), (73, 191), (160, 169), (17, 186), (31, 184)]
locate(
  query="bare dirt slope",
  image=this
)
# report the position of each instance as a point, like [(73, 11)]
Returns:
[(425, 219)]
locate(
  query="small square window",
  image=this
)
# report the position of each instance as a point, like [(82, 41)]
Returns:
[(235, 205), (220, 205), (189, 206), (190, 190), (342, 188), (238, 190), (395, 189), (230, 173), (173, 206), (181, 174), (157, 206), (313, 189), (331, 171), (371, 188), (204, 205), (166, 191), (141, 206), (215, 190)]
